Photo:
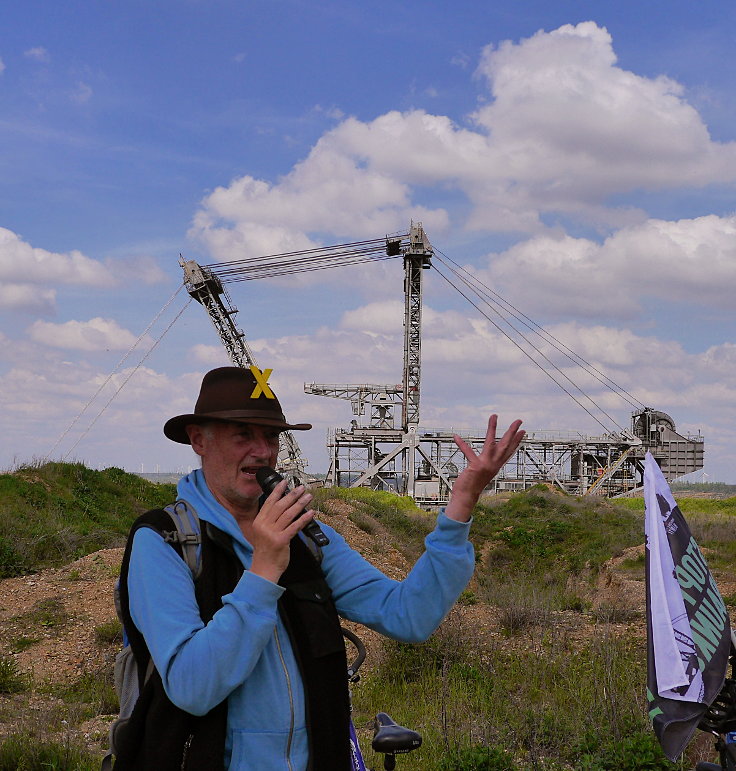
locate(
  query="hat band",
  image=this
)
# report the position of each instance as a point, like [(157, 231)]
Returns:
[(244, 415)]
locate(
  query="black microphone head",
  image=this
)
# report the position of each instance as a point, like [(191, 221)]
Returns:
[(267, 478)]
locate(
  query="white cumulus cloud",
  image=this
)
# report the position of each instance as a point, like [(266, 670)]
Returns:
[(681, 261), (25, 271), (35, 265), (27, 298), (97, 334), (564, 129)]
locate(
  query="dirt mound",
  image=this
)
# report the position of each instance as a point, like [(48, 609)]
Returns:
[(56, 625), (48, 621)]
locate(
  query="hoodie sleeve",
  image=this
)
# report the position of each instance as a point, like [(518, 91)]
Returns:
[(200, 664), (408, 610)]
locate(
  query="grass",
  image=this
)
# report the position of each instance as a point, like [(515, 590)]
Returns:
[(53, 513), (23, 643), (31, 752), (47, 615), (93, 693), (526, 694), (712, 523), (535, 696), (546, 704), (541, 551), (109, 632), (376, 511)]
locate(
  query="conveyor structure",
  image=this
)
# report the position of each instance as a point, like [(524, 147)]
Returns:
[(384, 446)]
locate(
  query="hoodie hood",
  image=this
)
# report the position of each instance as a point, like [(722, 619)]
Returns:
[(193, 489)]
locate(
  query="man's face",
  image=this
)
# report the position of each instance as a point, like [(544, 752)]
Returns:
[(231, 453)]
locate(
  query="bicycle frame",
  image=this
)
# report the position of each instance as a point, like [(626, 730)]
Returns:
[(388, 737), (356, 757)]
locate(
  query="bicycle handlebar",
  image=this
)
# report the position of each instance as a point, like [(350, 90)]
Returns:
[(358, 643)]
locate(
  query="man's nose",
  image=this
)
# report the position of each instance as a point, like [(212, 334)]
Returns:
[(262, 446)]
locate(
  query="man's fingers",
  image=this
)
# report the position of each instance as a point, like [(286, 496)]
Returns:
[(491, 432), (464, 447), (283, 508), (278, 492), (512, 435), (299, 523)]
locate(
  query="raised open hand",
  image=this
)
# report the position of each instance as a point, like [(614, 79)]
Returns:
[(481, 467)]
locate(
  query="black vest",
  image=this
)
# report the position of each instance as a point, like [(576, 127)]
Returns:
[(166, 738)]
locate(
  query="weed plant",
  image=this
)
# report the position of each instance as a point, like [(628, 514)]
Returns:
[(536, 540)]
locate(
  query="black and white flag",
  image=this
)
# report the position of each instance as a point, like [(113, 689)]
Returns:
[(688, 628)]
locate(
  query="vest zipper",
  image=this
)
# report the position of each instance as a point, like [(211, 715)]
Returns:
[(187, 745), (291, 698)]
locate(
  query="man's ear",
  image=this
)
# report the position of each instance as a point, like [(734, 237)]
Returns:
[(196, 437)]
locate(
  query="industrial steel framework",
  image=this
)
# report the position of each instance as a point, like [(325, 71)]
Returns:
[(425, 463), (379, 466), (377, 453), (206, 288)]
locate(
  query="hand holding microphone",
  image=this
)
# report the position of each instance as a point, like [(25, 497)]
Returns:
[(268, 478)]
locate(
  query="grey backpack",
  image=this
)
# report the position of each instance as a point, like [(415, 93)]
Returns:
[(188, 534)]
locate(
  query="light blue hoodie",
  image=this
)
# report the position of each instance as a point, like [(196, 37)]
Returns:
[(244, 654)]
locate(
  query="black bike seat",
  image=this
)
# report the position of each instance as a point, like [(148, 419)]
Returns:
[(390, 738)]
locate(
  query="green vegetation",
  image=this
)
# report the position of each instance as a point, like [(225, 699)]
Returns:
[(374, 511), (55, 512), (550, 703), (712, 522), (49, 614), (535, 541), (29, 752), (537, 696), (11, 679), (553, 679), (93, 693), (109, 632)]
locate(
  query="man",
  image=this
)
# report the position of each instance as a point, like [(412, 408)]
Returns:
[(266, 664)]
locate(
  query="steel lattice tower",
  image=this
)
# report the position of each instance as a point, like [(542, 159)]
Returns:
[(206, 288)]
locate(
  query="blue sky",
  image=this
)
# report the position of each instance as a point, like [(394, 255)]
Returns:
[(579, 157)]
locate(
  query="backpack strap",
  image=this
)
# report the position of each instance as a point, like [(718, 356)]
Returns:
[(187, 535), (314, 549)]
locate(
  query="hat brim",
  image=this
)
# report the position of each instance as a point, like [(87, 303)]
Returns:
[(176, 428)]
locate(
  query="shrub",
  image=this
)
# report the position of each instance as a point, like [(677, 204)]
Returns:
[(639, 752), (11, 679), (11, 563)]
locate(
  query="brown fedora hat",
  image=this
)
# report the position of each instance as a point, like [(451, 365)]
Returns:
[(227, 395)]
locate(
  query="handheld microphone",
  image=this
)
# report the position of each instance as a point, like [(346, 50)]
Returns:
[(268, 478)]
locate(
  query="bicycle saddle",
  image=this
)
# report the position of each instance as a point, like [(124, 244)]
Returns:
[(390, 738)]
